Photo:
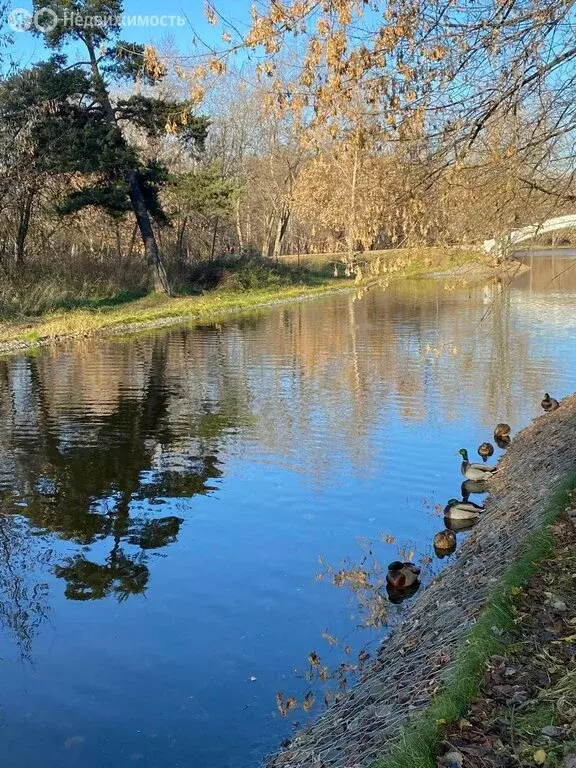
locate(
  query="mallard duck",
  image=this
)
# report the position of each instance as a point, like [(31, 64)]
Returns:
[(402, 575), (462, 510), (475, 471), (502, 432), (549, 403), (445, 542), (485, 451)]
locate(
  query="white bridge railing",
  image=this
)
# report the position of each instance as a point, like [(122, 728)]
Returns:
[(500, 245)]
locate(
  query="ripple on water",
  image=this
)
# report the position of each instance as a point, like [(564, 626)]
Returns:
[(166, 500)]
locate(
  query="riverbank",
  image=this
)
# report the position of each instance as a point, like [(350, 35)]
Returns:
[(157, 311), (153, 311), (525, 710), (429, 668)]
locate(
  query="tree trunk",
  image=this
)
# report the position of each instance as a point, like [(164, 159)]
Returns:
[(352, 218), (23, 227), (132, 241), (156, 268), (157, 271), (267, 244), (118, 243), (214, 237), (181, 237), (239, 226), (281, 230)]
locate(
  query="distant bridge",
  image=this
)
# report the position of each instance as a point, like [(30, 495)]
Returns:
[(499, 246)]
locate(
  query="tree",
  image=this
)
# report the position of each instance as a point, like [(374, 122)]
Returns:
[(87, 126), (205, 192), (455, 70)]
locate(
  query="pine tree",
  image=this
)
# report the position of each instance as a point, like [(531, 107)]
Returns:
[(79, 127)]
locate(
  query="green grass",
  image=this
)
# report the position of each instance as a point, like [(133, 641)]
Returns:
[(419, 742), (531, 723)]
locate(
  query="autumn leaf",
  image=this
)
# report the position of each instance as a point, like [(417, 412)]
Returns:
[(539, 757), (280, 703), (308, 702)]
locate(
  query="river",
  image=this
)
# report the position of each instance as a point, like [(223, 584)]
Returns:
[(174, 507)]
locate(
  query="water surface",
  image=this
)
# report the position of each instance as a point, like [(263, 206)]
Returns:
[(165, 500)]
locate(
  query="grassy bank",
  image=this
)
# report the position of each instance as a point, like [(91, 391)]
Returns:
[(410, 262), (221, 286), (419, 743), (148, 311)]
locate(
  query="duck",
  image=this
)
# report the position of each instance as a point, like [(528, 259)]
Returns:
[(475, 471), (462, 510), (402, 575), (485, 451), (445, 542), (502, 432), (549, 403)]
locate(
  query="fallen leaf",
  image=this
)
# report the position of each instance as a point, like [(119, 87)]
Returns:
[(539, 757), (308, 702), (291, 703)]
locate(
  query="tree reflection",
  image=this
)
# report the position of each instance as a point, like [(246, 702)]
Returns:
[(23, 594), (98, 478), (120, 576)]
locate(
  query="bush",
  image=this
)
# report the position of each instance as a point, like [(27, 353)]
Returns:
[(241, 273)]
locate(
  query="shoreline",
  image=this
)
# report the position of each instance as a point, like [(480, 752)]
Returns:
[(429, 667), (156, 312), (171, 312)]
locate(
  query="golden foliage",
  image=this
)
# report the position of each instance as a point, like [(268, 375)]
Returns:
[(154, 67)]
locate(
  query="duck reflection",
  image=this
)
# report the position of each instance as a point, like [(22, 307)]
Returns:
[(402, 581), (399, 595)]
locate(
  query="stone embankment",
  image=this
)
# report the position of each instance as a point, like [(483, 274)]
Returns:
[(419, 654)]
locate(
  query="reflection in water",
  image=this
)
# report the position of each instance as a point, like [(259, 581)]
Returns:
[(23, 595), (164, 501), (398, 596), (85, 480)]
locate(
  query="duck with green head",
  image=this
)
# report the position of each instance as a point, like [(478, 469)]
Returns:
[(475, 471)]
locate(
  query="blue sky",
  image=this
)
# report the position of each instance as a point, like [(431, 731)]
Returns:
[(28, 48)]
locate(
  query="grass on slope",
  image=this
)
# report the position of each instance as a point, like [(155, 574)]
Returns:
[(418, 745)]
